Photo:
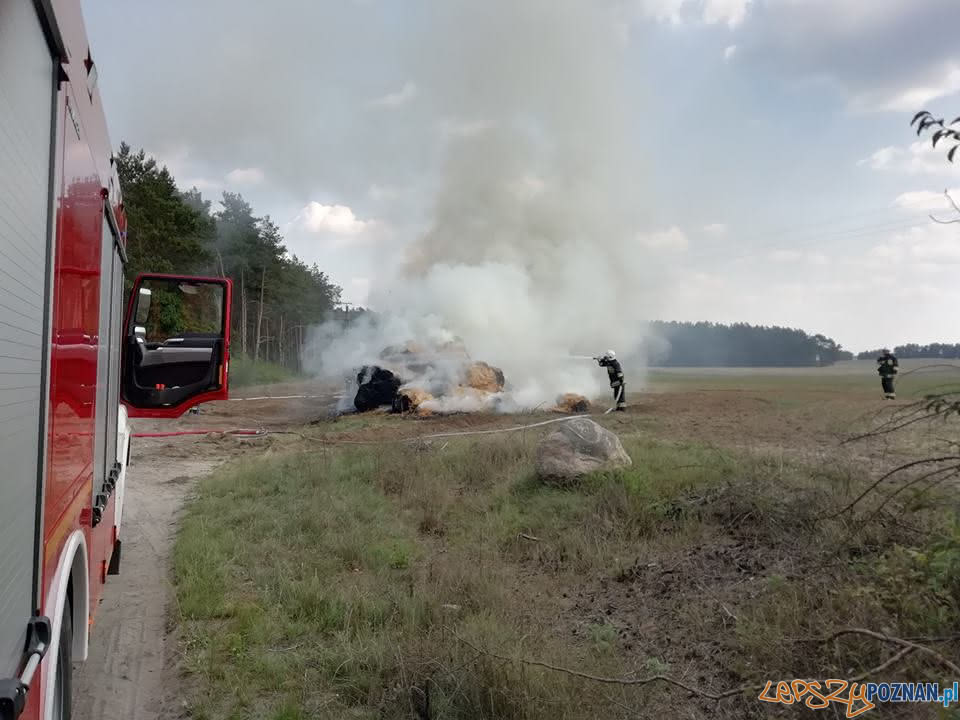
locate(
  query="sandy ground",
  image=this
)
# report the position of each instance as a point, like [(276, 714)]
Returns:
[(127, 674), (124, 677)]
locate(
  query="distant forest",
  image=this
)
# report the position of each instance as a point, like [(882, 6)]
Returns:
[(704, 344), (913, 350), (276, 295)]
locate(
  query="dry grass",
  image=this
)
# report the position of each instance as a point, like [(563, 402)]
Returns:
[(338, 582)]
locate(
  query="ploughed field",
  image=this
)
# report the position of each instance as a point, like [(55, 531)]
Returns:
[(334, 570)]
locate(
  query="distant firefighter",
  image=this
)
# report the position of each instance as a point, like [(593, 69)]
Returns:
[(617, 382), (887, 367)]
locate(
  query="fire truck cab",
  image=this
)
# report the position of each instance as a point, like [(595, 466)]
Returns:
[(76, 360)]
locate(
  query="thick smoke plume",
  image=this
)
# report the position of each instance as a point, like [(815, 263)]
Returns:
[(531, 252)]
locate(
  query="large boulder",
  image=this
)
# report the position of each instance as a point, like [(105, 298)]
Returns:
[(576, 448)]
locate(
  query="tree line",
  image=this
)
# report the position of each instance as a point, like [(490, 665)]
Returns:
[(949, 351), (277, 296), (706, 344)]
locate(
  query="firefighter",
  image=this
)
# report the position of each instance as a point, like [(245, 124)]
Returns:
[(887, 367), (615, 372)]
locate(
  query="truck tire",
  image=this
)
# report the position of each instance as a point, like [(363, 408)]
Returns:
[(63, 680)]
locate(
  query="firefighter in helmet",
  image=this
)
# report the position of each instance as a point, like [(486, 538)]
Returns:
[(887, 367), (615, 372)]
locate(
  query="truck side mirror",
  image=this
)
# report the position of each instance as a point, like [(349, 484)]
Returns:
[(176, 350), (143, 305)]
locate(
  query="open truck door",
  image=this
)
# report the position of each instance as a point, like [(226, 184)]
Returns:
[(176, 348)]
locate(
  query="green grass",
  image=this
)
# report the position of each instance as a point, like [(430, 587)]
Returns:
[(345, 582), (245, 371)]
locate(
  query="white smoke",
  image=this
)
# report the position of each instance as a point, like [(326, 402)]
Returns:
[(532, 249)]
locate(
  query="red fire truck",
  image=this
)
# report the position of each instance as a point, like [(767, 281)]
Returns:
[(75, 360)]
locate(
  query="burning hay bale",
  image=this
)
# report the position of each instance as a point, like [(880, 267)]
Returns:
[(410, 400), (454, 348), (392, 352), (435, 378), (486, 378), (376, 387), (572, 403)]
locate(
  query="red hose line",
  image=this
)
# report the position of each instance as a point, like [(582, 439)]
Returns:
[(240, 431)]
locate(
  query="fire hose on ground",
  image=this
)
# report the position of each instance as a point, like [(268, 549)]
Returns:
[(263, 432)]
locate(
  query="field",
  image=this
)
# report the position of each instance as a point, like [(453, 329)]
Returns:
[(335, 571)]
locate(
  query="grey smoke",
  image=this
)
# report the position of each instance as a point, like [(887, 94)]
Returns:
[(531, 252)]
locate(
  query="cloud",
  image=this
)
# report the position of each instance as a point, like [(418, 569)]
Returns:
[(731, 12), (715, 229), (382, 193), (786, 256), (245, 176), (334, 219), (527, 187), (923, 247), (937, 82), (863, 48), (711, 12), (673, 240), (894, 55), (661, 10), (200, 183), (926, 200), (918, 158), (458, 128), (883, 159), (395, 99)]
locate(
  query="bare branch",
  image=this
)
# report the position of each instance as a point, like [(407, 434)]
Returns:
[(930, 408), (611, 680), (915, 481), (900, 641), (887, 430), (932, 366), (893, 660), (906, 648), (950, 471), (901, 468), (943, 222)]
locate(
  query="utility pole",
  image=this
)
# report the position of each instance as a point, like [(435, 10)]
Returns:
[(346, 310)]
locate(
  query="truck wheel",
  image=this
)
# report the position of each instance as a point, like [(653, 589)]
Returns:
[(63, 682)]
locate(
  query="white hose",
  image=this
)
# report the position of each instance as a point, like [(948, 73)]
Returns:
[(616, 400), (497, 430), (435, 436)]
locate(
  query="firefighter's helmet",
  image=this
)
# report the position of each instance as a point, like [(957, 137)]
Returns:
[(611, 355)]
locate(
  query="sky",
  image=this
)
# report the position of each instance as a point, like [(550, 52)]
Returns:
[(762, 167)]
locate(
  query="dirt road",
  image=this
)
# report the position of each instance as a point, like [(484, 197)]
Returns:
[(124, 677), (128, 673)]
